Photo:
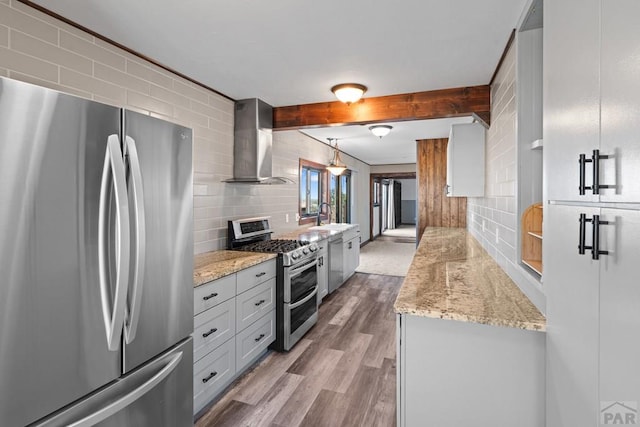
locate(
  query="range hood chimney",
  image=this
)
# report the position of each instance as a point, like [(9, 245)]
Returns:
[(252, 146)]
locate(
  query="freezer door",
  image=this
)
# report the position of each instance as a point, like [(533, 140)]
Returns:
[(53, 340), (159, 394), (164, 253)]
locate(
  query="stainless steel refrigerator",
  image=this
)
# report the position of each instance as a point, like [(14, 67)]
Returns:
[(96, 263)]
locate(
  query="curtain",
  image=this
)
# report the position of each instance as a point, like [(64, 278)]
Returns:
[(391, 211)]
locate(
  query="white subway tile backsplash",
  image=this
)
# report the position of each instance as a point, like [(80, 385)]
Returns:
[(4, 36), (149, 74), (28, 65), (95, 86), (120, 78), (32, 46), (90, 50), (148, 103), (14, 18)]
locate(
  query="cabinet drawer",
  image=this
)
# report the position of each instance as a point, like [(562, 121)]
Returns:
[(213, 327), (255, 303), (212, 373), (250, 277), (253, 340), (213, 293)]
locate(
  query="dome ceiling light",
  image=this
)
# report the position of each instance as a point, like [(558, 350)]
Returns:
[(380, 130), (349, 92)]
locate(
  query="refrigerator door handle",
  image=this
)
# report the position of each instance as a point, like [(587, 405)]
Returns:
[(133, 310), (113, 308), (117, 403)]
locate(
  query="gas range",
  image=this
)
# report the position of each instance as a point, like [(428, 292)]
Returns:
[(293, 251), (254, 235)]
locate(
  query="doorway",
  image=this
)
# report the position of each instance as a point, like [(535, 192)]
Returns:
[(393, 208)]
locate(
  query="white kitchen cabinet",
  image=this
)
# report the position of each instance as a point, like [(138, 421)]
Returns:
[(592, 101), (234, 324), (351, 251), (465, 160), (323, 269), (454, 373), (591, 92)]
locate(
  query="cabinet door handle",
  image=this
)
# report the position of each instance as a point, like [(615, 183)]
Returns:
[(582, 247), (446, 188), (582, 161), (350, 245), (259, 338), (260, 302), (595, 249), (208, 297), (211, 331), (211, 375), (595, 158), (261, 274)]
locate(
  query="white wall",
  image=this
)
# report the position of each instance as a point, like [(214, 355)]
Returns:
[(492, 219), (409, 189), (404, 167), (37, 48), (409, 196)]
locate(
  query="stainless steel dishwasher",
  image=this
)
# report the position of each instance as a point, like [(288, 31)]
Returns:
[(336, 262)]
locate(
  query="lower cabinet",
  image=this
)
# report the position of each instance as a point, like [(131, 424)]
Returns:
[(453, 373), (234, 324)]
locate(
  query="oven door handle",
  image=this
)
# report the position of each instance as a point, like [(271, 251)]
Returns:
[(299, 270), (311, 294)]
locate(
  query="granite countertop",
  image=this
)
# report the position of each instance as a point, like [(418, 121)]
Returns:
[(214, 265), (304, 233), (453, 277)]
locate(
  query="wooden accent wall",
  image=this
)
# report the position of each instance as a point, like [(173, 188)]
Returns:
[(435, 209)]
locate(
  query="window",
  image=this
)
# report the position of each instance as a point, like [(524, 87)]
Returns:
[(340, 190), (376, 192), (313, 191)]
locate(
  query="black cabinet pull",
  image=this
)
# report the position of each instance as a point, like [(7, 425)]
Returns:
[(260, 302), (582, 188), (206, 334), (595, 236), (260, 274), (208, 297), (211, 375), (259, 338), (595, 249), (582, 247), (595, 158)]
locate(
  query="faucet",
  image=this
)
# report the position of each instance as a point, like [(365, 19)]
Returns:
[(320, 212)]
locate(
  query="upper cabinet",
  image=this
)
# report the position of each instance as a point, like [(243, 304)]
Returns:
[(465, 160), (590, 103)]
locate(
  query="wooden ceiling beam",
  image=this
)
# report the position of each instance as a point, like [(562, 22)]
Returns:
[(435, 104)]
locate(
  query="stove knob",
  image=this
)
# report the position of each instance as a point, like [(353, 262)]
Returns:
[(305, 251), (313, 247), (295, 255)]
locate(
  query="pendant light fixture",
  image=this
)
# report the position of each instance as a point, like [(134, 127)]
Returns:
[(336, 166), (380, 130), (349, 92)]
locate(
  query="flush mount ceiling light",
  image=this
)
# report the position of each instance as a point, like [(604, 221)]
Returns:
[(349, 92), (380, 130), (336, 166)]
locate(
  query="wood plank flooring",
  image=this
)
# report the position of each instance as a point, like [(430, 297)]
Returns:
[(342, 373)]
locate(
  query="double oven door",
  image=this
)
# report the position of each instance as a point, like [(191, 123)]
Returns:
[(300, 300)]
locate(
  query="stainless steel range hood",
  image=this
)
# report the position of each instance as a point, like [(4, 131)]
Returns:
[(252, 146)]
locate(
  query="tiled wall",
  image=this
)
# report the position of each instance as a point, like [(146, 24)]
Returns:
[(492, 219), (39, 49)]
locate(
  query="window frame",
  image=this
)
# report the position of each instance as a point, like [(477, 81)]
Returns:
[(338, 215), (323, 192)]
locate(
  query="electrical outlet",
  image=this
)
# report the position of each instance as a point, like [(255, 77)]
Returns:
[(286, 218), (297, 217), (484, 225)]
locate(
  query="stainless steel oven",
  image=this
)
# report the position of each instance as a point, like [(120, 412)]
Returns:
[(300, 300), (296, 276)]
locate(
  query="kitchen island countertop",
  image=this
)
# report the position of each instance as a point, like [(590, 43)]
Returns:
[(214, 265), (453, 277)]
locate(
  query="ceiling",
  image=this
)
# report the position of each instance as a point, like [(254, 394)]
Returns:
[(398, 147), (289, 52)]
